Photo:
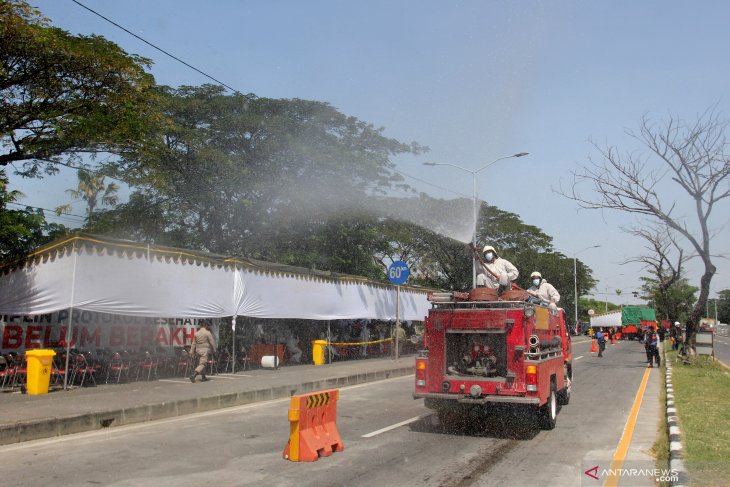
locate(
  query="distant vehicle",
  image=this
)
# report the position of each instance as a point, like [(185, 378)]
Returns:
[(631, 321)]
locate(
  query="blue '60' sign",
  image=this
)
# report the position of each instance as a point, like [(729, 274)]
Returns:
[(398, 272)]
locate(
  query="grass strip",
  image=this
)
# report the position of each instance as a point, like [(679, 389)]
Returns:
[(702, 396)]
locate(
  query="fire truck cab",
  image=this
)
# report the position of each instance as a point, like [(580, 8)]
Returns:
[(481, 349)]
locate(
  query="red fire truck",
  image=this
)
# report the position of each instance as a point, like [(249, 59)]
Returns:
[(481, 350)]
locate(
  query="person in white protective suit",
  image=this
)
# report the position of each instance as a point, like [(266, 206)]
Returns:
[(495, 272), (543, 290)]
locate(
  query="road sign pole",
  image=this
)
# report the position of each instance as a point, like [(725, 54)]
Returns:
[(397, 319)]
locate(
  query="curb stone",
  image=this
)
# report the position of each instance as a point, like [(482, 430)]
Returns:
[(676, 450)]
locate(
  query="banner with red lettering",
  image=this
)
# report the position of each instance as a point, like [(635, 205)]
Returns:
[(96, 331)]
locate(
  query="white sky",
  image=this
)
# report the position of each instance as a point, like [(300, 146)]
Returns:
[(473, 80)]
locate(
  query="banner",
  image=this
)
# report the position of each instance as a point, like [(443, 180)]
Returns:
[(93, 331)]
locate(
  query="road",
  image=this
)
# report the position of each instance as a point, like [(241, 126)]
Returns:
[(389, 438), (722, 348)]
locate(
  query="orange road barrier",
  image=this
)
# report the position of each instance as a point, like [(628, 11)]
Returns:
[(613, 339), (594, 347), (313, 426)]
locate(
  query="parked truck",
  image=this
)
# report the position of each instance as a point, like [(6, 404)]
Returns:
[(482, 350), (630, 321)]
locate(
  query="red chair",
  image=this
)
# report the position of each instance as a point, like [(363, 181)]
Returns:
[(184, 363), (83, 368), (21, 371), (7, 372), (58, 369), (117, 366), (149, 366)]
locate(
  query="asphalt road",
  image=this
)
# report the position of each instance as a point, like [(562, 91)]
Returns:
[(389, 438), (722, 348)]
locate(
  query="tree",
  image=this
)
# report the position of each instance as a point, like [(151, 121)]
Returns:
[(664, 260), (673, 303), (66, 95), (22, 230), (91, 187), (694, 158), (243, 175)]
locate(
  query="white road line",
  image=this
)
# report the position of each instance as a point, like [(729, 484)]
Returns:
[(121, 430), (578, 358), (392, 427)]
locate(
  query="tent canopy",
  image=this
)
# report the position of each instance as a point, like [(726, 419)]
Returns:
[(93, 273)]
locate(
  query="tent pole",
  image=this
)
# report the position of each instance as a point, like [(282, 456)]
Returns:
[(69, 329), (233, 344), (329, 339)]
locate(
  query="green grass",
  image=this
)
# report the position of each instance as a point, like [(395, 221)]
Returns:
[(702, 398)]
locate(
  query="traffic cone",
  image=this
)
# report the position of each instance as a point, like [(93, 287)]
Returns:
[(594, 347)]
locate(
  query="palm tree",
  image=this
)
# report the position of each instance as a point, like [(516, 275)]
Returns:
[(90, 188)]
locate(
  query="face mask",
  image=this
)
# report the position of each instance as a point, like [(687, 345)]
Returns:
[(536, 282), (489, 256)]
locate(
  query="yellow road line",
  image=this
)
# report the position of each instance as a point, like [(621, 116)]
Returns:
[(623, 445)]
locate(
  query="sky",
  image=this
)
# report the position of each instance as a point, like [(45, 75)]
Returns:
[(472, 80)]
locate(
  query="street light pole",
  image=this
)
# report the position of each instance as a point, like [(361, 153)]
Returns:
[(475, 213)]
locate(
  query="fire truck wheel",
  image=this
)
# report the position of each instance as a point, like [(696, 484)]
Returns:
[(549, 412), (564, 395)]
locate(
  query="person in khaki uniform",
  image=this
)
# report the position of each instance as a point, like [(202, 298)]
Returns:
[(203, 344)]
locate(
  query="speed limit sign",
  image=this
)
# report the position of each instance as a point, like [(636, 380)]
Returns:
[(398, 272)]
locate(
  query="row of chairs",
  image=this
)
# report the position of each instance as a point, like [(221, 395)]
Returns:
[(106, 366)]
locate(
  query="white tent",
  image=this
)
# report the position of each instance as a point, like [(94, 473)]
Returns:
[(117, 277), (85, 272)]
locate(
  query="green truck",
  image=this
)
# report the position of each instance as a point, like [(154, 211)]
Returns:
[(630, 321)]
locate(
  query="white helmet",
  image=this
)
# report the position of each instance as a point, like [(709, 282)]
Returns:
[(536, 274), (488, 248)]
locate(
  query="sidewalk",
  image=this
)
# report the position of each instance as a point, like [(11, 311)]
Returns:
[(24, 417)]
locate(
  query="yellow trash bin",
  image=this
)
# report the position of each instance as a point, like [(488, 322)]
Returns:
[(40, 363), (318, 348)]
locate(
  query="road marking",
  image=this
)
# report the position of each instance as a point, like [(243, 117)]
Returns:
[(392, 427), (578, 358), (623, 445)]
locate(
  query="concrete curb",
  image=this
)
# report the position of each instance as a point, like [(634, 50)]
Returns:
[(58, 426), (676, 450)]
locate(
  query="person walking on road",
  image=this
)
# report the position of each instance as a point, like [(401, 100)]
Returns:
[(601, 339), (203, 344), (652, 347)]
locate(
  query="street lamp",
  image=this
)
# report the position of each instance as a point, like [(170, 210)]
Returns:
[(474, 200), (575, 279)]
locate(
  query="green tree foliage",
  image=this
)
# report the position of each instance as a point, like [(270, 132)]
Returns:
[(723, 306), (597, 305), (673, 304), (22, 230), (66, 95), (93, 189), (253, 176)]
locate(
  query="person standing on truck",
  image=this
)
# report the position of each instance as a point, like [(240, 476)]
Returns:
[(495, 272), (543, 290)]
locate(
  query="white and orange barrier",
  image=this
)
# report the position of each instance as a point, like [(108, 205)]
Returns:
[(313, 426)]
